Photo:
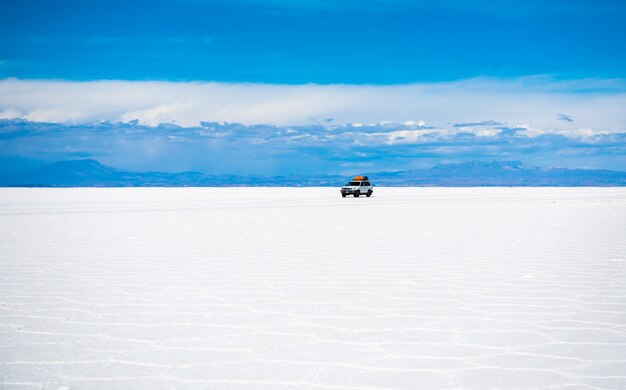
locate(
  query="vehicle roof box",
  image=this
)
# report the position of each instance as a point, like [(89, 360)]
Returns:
[(360, 178)]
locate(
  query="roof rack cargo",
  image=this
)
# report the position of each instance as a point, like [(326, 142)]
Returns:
[(360, 178)]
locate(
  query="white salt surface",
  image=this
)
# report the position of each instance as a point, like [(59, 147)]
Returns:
[(242, 288)]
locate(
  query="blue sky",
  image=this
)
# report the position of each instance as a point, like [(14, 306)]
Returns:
[(131, 82), (319, 41)]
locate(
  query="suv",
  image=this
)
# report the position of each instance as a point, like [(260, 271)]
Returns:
[(360, 185)]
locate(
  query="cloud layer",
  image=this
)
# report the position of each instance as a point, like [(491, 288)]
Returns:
[(233, 148), (286, 129), (539, 102)]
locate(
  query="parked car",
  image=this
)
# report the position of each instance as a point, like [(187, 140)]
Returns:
[(359, 185)]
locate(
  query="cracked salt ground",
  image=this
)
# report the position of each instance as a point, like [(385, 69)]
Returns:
[(206, 288)]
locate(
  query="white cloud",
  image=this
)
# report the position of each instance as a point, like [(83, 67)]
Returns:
[(406, 136), (536, 101), (10, 113)]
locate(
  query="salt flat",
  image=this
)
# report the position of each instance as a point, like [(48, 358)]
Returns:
[(280, 288)]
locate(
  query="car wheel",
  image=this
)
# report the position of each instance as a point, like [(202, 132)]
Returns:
[(369, 193), (343, 195), (357, 193)]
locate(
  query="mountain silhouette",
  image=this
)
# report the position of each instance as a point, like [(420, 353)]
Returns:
[(91, 173)]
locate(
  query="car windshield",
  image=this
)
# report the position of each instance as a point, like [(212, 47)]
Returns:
[(354, 183)]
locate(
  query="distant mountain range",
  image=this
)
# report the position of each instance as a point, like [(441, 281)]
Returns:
[(506, 173), (90, 173)]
